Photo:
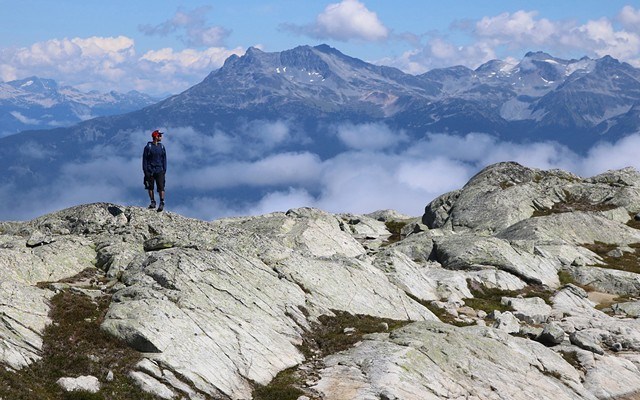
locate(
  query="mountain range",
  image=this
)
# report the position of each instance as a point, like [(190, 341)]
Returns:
[(304, 95), (36, 103)]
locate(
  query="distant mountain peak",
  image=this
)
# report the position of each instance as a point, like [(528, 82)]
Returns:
[(40, 103), (538, 55), (35, 84)]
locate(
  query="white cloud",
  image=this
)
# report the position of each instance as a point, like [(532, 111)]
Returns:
[(630, 18), (510, 35), (520, 27), (345, 21), (188, 60), (34, 150), (193, 23), (427, 175), (25, 120), (370, 136), (281, 201), (601, 37), (278, 169), (103, 63), (405, 177), (604, 156)]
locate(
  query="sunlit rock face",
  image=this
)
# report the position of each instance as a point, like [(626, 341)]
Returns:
[(504, 288)]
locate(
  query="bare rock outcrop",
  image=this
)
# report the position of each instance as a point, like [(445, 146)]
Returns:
[(497, 292)]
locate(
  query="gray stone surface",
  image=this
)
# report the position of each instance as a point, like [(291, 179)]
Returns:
[(217, 307), (430, 360), (552, 334), (506, 322), (86, 383), (532, 310), (630, 308)]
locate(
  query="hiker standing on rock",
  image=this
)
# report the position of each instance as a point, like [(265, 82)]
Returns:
[(154, 165)]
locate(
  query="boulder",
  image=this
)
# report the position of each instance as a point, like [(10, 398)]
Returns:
[(235, 315), (431, 360), (23, 317), (467, 251), (506, 322), (606, 280), (552, 334), (629, 308), (82, 383), (532, 310)]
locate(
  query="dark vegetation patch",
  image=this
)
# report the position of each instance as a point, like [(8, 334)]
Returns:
[(74, 345), (395, 227), (573, 203), (283, 387), (439, 312), (490, 299), (572, 358), (565, 277), (330, 335), (629, 262), (633, 222)]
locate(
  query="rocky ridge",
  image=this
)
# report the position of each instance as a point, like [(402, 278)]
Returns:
[(522, 284)]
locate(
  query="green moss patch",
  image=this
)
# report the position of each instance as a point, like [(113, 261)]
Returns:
[(629, 262), (490, 299), (441, 313), (331, 334), (283, 387), (633, 223), (573, 203), (572, 358), (395, 227), (330, 337), (74, 345)]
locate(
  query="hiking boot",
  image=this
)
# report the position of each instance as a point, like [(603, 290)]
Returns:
[(161, 206), (152, 205)]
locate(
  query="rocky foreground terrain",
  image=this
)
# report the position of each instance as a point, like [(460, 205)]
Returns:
[(523, 284)]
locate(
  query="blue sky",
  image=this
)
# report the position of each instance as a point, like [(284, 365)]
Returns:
[(166, 46)]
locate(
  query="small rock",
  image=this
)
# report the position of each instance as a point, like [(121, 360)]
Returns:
[(585, 341), (552, 334), (532, 310), (467, 311), (82, 383), (529, 331), (158, 243), (579, 262), (630, 309), (38, 238), (507, 322), (616, 253), (616, 347), (109, 376), (349, 331)]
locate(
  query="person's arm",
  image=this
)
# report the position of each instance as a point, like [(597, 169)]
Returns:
[(164, 159), (145, 160)]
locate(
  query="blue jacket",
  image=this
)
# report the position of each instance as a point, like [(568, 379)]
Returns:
[(154, 159)]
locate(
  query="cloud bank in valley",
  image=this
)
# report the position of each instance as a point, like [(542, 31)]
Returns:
[(400, 175)]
